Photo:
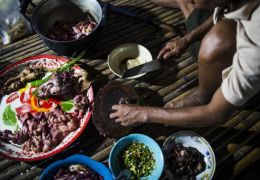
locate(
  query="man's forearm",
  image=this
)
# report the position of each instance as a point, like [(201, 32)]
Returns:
[(182, 117), (213, 113), (198, 33)]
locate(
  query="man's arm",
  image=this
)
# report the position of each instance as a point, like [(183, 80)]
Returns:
[(178, 45), (198, 33), (213, 113)]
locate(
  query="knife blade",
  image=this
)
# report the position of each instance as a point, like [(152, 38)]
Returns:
[(143, 68)]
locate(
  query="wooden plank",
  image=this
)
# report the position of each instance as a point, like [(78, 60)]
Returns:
[(246, 161), (233, 121), (234, 147), (174, 94), (5, 163), (18, 44), (227, 162), (27, 53), (12, 171), (103, 154), (125, 34), (30, 174), (24, 48), (221, 141)]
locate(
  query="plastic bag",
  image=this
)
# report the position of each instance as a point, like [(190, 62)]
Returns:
[(13, 25)]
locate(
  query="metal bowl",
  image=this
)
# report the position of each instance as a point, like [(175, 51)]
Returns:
[(49, 11)]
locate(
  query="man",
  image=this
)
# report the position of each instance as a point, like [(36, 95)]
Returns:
[(214, 100)]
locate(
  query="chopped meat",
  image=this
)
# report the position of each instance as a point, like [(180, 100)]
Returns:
[(63, 31), (80, 101), (42, 132), (61, 85), (186, 162), (76, 172)]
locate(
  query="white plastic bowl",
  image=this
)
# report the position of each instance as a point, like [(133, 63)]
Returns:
[(127, 51)]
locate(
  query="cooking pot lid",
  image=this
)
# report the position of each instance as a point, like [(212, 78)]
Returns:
[(108, 96)]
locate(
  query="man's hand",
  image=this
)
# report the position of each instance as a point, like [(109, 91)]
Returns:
[(175, 47), (128, 114)]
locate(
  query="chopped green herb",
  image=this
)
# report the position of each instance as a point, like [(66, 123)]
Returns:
[(139, 160)]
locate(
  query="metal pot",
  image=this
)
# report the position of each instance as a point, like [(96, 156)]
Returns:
[(49, 11)]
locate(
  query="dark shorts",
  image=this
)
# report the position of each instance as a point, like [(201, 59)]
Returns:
[(195, 19)]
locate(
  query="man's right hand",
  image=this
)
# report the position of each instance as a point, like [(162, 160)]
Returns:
[(175, 47)]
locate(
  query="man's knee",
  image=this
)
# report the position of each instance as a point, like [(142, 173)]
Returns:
[(219, 45)]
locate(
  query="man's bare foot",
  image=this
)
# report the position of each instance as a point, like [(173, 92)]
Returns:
[(193, 99)]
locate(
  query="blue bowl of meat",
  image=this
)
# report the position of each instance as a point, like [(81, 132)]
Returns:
[(137, 155), (76, 167)]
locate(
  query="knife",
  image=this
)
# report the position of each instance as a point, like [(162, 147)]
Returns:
[(143, 68)]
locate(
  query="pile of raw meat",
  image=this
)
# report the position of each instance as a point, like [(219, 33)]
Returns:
[(63, 31), (43, 131)]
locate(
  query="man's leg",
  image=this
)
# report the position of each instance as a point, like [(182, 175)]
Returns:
[(216, 53), (184, 5)]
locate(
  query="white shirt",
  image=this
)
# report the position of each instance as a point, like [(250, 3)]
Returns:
[(243, 81)]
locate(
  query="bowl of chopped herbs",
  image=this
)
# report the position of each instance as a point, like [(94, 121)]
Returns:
[(139, 154)]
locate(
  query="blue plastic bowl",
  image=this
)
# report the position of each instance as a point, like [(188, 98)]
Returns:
[(115, 154), (52, 169)]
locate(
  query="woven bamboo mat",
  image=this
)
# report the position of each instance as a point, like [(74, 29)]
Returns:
[(236, 143)]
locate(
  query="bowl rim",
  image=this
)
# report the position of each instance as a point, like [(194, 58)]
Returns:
[(161, 168), (123, 45), (85, 160), (194, 134), (44, 37)]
